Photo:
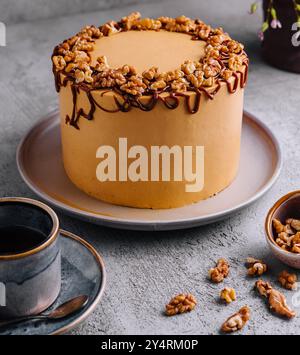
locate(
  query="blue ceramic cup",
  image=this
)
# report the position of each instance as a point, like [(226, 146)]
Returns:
[(30, 278)]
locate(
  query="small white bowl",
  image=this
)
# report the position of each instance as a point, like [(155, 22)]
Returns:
[(287, 206)]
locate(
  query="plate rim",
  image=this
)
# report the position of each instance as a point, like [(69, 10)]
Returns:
[(137, 224), (93, 305)]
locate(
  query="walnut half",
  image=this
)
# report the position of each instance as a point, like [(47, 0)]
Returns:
[(220, 272), (287, 280), (228, 295), (180, 304), (237, 321), (277, 301), (255, 267)]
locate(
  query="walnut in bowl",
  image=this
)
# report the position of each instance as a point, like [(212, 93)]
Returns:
[(282, 228)]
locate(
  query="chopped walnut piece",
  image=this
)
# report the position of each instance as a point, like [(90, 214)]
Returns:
[(109, 28), (70, 67), (288, 229), (147, 24), (101, 64), (212, 52), (71, 41), (151, 73), (110, 78), (237, 321), (216, 40), (295, 239), (295, 224), (81, 76), (203, 31), (91, 32), (180, 24), (235, 62), (220, 272), (180, 304), (182, 20), (196, 80), (234, 46), (129, 20), (211, 68), (255, 267), (83, 45), (285, 238), (296, 249), (164, 19), (128, 70), (279, 227), (157, 85), (228, 295), (226, 74), (209, 82), (134, 86), (179, 85), (69, 56), (80, 57), (276, 300), (294, 243), (287, 280), (188, 67), (59, 62), (171, 75)]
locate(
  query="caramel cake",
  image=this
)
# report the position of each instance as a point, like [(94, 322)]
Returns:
[(155, 83)]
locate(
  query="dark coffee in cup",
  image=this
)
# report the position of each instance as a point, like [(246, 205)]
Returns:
[(30, 265), (19, 239)]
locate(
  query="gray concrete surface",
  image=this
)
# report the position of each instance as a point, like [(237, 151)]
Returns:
[(146, 269), (16, 11)]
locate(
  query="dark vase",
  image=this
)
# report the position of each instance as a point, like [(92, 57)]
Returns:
[(277, 47)]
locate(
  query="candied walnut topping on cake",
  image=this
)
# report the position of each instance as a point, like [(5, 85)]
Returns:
[(277, 301), (181, 303), (220, 272), (287, 280), (228, 295), (255, 267), (287, 235), (224, 58), (224, 62), (237, 321)]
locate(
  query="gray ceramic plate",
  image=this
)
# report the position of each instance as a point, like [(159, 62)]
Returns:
[(40, 164), (83, 273)]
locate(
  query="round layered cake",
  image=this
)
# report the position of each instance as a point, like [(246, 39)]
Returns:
[(151, 110)]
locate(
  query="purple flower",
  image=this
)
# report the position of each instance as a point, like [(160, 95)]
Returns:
[(276, 23), (261, 35)]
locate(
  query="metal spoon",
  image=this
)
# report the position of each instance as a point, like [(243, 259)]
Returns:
[(62, 311)]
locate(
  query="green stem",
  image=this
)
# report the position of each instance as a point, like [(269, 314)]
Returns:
[(269, 11), (295, 2)]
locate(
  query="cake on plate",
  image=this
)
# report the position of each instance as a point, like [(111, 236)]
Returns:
[(151, 110)]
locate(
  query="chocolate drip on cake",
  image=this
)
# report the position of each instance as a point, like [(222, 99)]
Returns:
[(171, 101)]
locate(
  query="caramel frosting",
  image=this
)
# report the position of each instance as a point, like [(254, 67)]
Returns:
[(158, 71), (156, 83)]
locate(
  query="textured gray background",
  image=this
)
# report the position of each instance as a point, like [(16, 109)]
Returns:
[(15, 11), (146, 269)]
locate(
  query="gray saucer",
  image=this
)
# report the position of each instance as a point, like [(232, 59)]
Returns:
[(83, 273)]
